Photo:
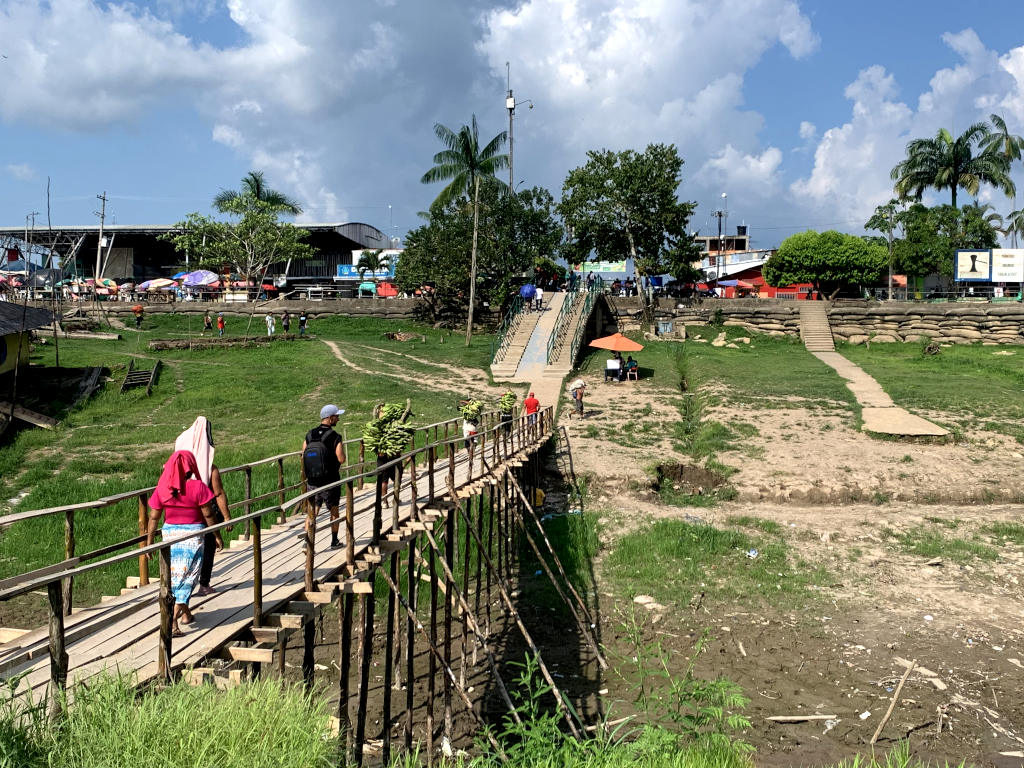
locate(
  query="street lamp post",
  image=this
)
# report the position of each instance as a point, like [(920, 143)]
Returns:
[(510, 105)]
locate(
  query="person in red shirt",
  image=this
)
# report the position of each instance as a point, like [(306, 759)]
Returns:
[(185, 502), (531, 405)]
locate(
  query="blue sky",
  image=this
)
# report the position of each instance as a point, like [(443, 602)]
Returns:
[(797, 110)]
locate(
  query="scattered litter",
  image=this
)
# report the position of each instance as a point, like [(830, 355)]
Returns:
[(935, 561), (997, 647), (320, 667), (537, 573), (603, 692), (751, 553), (928, 617), (829, 725), (865, 714)]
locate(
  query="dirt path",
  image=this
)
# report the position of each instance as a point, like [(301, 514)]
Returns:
[(844, 502), (459, 381)]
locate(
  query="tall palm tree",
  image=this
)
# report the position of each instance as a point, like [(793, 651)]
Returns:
[(466, 165), (1004, 143), (254, 186), (372, 262), (989, 215), (1014, 224), (948, 163)]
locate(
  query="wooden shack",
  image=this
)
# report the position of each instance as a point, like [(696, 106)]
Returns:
[(16, 322)]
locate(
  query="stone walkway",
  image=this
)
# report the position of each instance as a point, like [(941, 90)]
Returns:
[(879, 412)]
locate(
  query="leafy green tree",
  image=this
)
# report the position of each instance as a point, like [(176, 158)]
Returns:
[(952, 163), (828, 260), (254, 186), (1015, 224), (933, 235), (464, 164), (1010, 146), (516, 232), (625, 204), (248, 244)]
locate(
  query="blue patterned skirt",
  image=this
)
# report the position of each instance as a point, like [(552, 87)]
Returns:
[(186, 559)]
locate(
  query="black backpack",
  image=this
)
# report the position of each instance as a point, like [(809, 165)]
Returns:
[(315, 461)]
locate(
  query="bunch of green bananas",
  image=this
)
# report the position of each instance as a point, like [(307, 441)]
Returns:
[(387, 435), (507, 403), (472, 409)]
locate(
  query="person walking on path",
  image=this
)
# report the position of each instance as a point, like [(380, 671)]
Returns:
[(286, 321), (199, 440), (270, 323), (577, 389), (220, 323), (530, 407), (184, 501), (139, 312), (322, 457), (539, 298), (302, 324), (207, 323)]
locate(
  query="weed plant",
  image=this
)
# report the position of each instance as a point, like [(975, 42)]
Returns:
[(927, 542)]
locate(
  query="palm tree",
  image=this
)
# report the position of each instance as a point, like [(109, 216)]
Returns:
[(987, 214), (466, 164), (1004, 143), (254, 186), (1015, 224), (948, 163), (372, 262)]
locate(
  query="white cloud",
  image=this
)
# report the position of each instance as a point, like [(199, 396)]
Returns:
[(21, 171), (808, 130), (732, 169)]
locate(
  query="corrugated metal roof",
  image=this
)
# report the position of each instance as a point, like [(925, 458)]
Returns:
[(12, 314)]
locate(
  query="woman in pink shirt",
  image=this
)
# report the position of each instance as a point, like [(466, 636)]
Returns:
[(185, 503)]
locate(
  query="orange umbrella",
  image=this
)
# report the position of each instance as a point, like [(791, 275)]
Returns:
[(617, 343)]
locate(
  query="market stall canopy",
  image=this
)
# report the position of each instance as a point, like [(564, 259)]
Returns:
[(159, 284), (617, 343), (199, 277), (387, 290), (368, 286)]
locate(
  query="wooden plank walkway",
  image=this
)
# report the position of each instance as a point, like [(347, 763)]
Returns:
[(123, 634)]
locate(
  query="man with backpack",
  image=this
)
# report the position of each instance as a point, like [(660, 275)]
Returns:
[(322, 457)]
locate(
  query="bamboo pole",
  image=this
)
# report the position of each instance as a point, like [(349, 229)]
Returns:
[(350, 527), (166, 616), (410, 638), (310, 535), (143, 525), (257, 574), (280, 481), (345, 666), (503, 591), (449, 674), (248, 504), (58, 654), (432, 672), (366, 607), (465, 590), (449, 558), (69, 552), (389, 645)]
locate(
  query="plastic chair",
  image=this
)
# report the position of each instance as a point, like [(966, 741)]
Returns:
[(633, 373)]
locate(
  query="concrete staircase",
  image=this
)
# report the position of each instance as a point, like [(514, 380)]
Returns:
[(814, 328), (527, 337), (561, 362)]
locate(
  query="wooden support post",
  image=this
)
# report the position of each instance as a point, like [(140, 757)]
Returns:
[(579, 611), (248, 504), (465, 591), (362, 460), (449, 674), (510, 606), (389, 650), (470, 619), (495, 499), (69, 552), (449, 584), (396, 682), (377, 513), (345, 666), (350, 527), (480, 535), (257, 574), (58, 655), (396, 496), (366, 607), (308, 648), (143, 525), (280, 481), (310, 532), (431, 456), (410, 637), (432, 672), (163, 661)]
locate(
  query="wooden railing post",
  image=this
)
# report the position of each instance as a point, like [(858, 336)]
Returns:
[(143, 524), (69, 552), (257, 573), (362, 459), (248, 504), (58, 655), (280, 481), (350, 527), (451, 465), (163, 661), (431, 455), (311, 512)]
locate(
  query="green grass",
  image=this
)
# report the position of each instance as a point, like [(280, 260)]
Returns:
[(927, 542), (672, 560), (1012, 532), (758, 523), (260, 723), (965, 381), (260, 401)]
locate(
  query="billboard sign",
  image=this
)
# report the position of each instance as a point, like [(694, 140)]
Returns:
[(600, 266), (973, 266), (1008, 265)]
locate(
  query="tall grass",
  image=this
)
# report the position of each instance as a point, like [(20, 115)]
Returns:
[(262, 723)]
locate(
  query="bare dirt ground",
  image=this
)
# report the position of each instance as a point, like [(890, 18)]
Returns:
[(843, 500)]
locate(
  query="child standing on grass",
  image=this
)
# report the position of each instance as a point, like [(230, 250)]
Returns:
[(220, 323)]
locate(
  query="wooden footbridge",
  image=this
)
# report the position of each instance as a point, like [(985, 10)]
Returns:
[(274, 581)]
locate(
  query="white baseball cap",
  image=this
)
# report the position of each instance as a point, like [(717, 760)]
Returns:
[(330, 410)]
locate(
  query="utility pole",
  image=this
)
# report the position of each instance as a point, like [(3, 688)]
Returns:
[(28, 237), (510, 105), (890, 253), (102, 213)]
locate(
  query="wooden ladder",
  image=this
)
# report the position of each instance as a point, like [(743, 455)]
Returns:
[(138, 377)]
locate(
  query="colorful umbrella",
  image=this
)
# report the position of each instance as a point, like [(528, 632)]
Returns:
[(200, 277), (528, 292), (159, 284), (616, 343), (179, 276)]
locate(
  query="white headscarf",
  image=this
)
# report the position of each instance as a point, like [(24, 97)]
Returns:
[(199, 440)]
